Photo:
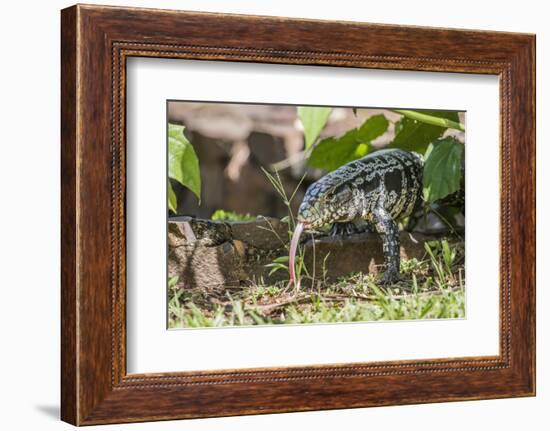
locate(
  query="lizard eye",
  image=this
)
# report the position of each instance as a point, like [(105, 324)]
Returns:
[(333, 199), (341, 196), (326, 199)]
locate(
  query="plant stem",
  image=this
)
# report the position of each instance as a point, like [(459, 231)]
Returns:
[(288, 162), (430, 119)]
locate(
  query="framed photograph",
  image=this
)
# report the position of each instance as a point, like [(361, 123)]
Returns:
[(259, 216)]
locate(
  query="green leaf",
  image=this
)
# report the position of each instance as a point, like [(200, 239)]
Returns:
[(175, 130), (220, 214), (331, 153), (415, 135), (183, 163), (281, 259), (172, 200), (276, 267), (313, 119), (443, 169), (172, 281)]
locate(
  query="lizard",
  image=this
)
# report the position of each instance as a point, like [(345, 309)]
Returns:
[(380, 188)]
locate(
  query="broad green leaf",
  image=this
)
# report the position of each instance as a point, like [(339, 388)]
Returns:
[(414, 135), (443, 168), (175, 130), (172, 199), (313, 119), (331, 153), (183, 163)]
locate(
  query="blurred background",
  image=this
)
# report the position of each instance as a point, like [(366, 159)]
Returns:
[(234, 141)]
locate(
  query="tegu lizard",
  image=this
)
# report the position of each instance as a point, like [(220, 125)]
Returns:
[(380, 189)]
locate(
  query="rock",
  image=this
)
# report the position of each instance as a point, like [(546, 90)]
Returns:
[(223, 253), (209, 269), (233, 254), (214, 268), (207, 232), (266, 233), (357, 253)]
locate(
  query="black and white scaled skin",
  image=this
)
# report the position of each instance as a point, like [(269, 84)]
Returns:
[(380, 189)]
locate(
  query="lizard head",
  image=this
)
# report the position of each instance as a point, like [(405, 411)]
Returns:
[(325, 204), (326, 201)]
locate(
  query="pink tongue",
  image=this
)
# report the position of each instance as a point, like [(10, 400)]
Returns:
[(292, 253)]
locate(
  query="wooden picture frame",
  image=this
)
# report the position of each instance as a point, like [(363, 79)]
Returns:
[(96, 41)]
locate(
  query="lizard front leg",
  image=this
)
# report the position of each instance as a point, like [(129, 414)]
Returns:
[(343, 230), (386, 227)]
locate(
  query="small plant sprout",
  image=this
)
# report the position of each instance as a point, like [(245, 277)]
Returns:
[(295, 263)]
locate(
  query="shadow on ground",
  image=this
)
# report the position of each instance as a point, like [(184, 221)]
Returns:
[(52, 411)]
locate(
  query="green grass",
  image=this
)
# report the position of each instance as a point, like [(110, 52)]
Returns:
[(431, 288), (231, 216)]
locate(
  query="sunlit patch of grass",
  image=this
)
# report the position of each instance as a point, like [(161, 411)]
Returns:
[(430, 288), (231, 216)]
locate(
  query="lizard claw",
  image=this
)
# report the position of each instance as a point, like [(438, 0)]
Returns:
[(390, 277), (343, 230)]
